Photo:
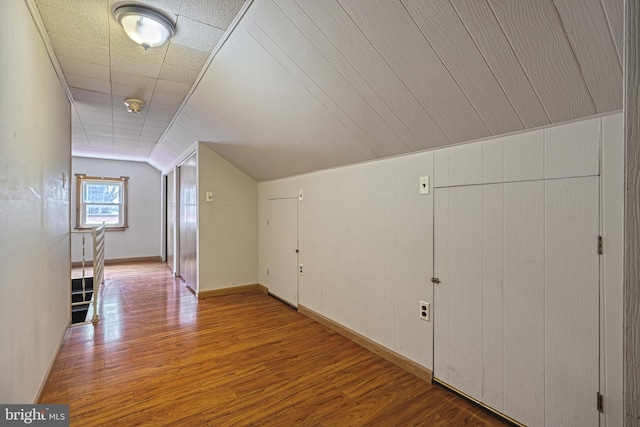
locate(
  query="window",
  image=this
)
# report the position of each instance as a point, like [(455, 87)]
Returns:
[(101, 200)]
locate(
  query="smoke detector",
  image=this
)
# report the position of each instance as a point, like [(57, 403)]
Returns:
[(133, 105)]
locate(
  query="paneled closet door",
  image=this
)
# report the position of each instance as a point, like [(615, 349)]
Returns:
[(187, 175), (516, 312), (571, 301)]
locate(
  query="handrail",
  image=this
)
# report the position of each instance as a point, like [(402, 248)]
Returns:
[(98, 267), (97, 235)]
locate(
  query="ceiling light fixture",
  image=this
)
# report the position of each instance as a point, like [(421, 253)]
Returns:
[(133, 105), (143, 25)]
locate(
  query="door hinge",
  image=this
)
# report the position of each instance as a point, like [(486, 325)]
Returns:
[(600, 402), (599, 245), (435, 280)]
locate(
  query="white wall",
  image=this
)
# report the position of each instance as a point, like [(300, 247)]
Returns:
[(143, 237), (35, 163), (365, 239), (227, 226)]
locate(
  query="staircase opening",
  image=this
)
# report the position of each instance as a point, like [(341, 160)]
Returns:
[(79, 312)]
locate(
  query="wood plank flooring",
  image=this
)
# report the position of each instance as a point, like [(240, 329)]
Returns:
[(159, 356)]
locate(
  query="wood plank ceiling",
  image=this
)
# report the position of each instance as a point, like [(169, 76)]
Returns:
[(302, 85)]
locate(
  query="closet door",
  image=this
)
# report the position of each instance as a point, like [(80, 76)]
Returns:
[(283, 249), (188, 222), (523, 302), (458, 298), (516, 312), (571, 301), (171, 218)]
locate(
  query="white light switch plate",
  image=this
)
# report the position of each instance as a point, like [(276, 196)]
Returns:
[(425, 187)]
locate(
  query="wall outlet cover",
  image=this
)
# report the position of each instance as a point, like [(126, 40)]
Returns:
[(425, 311)]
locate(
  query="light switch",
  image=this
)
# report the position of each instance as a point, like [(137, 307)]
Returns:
[(424, 185), (209, 196)]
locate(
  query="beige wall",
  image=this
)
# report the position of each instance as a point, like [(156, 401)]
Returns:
[(227, 226), (35, 163), (142, 238)]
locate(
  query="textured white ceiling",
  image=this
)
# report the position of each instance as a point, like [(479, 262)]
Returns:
[(304, 85), (102, 67), (301, 85)]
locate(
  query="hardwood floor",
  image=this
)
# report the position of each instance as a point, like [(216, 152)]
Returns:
[(159, 356)]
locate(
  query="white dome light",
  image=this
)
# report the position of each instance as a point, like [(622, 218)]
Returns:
[(144, 26)]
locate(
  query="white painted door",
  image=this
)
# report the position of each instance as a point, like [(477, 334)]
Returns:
[(457, 299), (282, 226), (516, 310), (171, 218), (187, 175), (571, 301), (523, 302)]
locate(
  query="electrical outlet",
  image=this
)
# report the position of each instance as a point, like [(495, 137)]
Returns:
[(425, 311), (301, 270)]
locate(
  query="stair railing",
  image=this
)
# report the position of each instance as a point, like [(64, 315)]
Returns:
[(98, 235)]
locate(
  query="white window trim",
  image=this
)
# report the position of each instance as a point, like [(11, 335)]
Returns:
[(80, 178)]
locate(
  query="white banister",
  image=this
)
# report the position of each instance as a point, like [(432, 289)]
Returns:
[(98, 267), (98, 235)]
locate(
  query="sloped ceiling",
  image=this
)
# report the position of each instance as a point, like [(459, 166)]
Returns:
[(302, 85)]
